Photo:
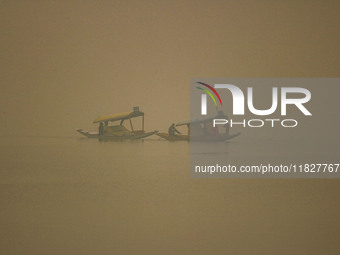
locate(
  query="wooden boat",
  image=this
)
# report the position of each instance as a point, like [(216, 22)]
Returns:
[(200, 130), (174, 137), (118, 132)]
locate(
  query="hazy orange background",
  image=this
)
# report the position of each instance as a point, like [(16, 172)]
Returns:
[(63, 63)]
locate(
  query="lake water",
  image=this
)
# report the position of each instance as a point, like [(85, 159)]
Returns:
[(69, 195)]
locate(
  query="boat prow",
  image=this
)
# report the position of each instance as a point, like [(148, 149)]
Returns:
[(87, 133)]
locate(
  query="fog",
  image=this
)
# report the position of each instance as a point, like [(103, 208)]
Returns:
[(64, 63)]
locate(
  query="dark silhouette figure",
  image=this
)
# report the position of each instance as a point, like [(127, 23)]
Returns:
[(101, 128), (172, 130)]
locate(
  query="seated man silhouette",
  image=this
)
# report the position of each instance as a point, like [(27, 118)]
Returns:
[(172, 130)]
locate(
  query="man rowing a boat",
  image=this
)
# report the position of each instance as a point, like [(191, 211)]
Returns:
[(173, 130)]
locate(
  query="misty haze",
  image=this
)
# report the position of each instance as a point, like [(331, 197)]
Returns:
[(66, 63)]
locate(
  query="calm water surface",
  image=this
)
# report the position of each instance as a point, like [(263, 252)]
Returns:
[(81, 196)]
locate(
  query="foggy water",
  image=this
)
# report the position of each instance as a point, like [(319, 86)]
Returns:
[(69, 195), (65, 63)]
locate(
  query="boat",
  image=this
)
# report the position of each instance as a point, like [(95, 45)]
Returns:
[(201, 130), (118, 132)]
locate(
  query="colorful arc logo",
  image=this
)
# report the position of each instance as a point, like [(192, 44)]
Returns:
[(209, 93)]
